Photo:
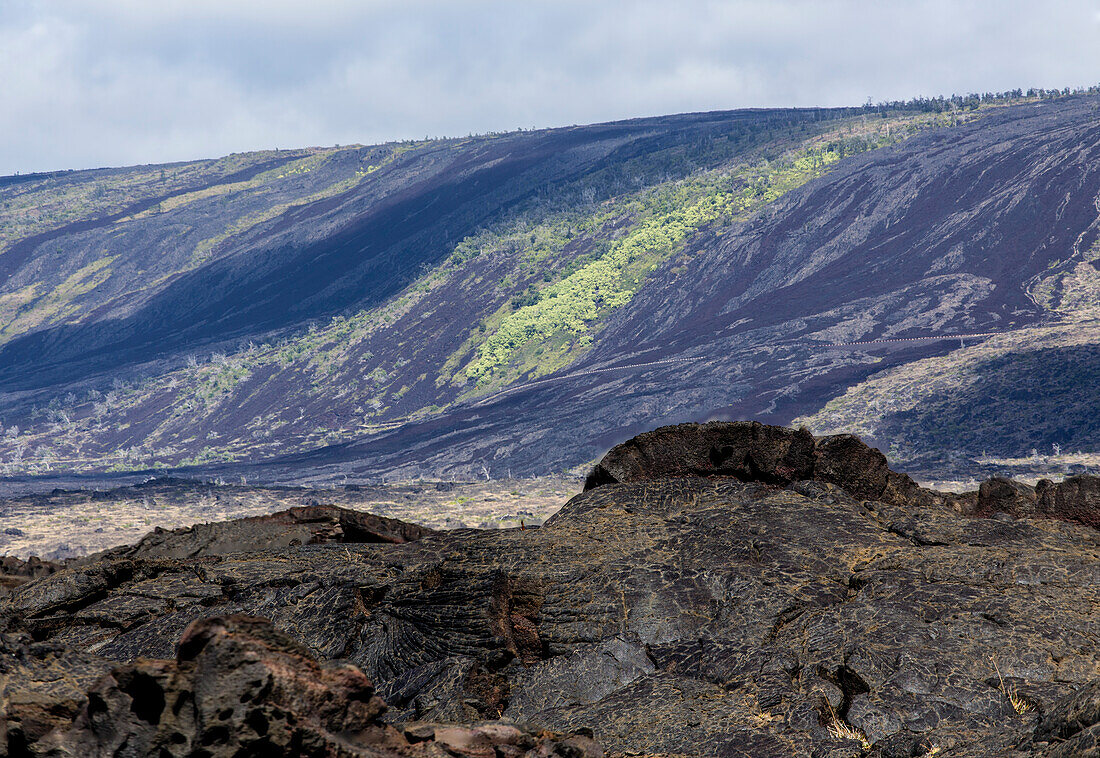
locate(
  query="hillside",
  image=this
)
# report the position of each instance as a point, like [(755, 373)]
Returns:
[(515, 304), (1023, 398)]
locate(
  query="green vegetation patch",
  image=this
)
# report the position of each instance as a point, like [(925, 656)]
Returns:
[(543, 280), (301, 166), (553, 322), (560, 318), (21, 311)]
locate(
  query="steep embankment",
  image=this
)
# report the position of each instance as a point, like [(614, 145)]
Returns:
[(538, 297), (1021, 398), (945, 233), (440, 256)]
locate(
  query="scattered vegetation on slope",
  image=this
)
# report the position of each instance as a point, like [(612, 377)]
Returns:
[(1019, 395), (551, 325), (81, 281), (535, 287), (563, 313), (182, 214), (34, 204), (1016, 396)]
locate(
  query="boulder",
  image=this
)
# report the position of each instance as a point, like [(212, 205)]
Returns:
[(998, 495), (753, 452), (237, 687), (15, 571), (858, 469), (1076, 499), (43, 686), (746, 450)]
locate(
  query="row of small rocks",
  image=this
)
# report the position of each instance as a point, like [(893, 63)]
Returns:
[(1076, 498)]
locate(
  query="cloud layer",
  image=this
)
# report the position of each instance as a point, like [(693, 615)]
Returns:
[(114, 82)]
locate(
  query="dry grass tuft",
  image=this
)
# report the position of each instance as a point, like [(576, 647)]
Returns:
[(1019, 704), (842, 730)]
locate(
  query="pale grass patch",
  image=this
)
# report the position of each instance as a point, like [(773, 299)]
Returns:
[(843, 730), (1019, 704)]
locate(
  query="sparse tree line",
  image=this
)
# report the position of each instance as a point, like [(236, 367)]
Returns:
[(974, 100)]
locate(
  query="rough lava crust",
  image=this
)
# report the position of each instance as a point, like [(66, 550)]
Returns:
[(726, 589)]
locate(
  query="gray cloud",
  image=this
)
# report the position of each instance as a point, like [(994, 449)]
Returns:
[(110, 82)]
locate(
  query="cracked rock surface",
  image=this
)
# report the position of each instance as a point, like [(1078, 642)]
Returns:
[(240, 688), (820, 607)]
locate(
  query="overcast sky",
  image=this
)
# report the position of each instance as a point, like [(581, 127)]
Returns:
[(113, 82)]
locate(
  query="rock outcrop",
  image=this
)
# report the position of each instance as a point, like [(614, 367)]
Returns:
[(1071, 729), (1000, 495), (762, 601), (43, 686), (305, 525), (753, 452), (14, 572), (1077, 498), (746, 450)]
